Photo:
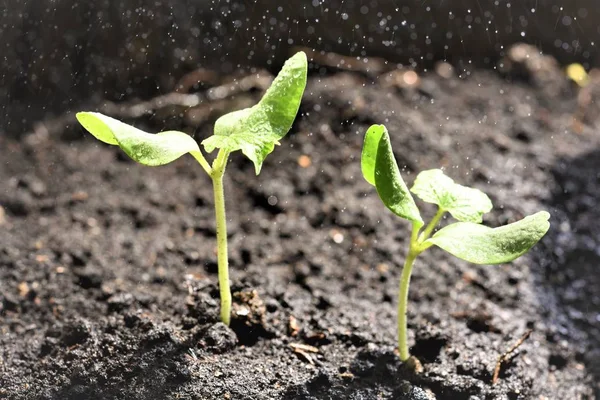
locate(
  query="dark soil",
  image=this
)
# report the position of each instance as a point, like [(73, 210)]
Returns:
[(108, 268)]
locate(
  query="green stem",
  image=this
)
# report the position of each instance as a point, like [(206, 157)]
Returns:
[(432, 224), (223, 264), (202, 161), (416, 248), (403, 305)]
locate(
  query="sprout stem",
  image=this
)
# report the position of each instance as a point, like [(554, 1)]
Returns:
[(222, 259), (403, 303), (432, 224), (416, 248), (202, 161)]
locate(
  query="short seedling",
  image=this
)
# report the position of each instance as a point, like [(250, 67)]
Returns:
[(466, 239), (255, 131)]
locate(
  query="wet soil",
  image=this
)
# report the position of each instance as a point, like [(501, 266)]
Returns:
[(108, 268)]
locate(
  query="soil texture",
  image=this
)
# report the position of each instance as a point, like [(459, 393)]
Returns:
[(108, 285)]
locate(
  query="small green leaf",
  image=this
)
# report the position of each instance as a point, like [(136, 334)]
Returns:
[(480, 244), (145, 148), (389, 183), (464, 203), (369, 152), (256, 130)]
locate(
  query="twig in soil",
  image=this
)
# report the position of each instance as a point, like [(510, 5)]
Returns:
[(260, 80), (293, 326), (200, 75), (371, 66), (507, 353), (304, 351), (191, 355)]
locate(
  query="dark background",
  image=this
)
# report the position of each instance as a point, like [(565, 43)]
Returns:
[(62, 54)]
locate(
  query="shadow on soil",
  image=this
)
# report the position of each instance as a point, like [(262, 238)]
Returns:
[(374, 374), (572, 276), (156, 371)]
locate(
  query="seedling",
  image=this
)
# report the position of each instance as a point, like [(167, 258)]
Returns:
[(466, 239), (255, 131)]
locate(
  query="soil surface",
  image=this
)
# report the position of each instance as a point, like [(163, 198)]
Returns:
[(108, 268)]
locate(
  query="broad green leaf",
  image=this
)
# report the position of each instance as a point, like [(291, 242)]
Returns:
[(464, 203), (480, 244), (256, 130), (391, 188), (369, 152), (145, 148)]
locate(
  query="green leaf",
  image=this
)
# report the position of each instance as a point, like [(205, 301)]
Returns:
[(369, 152), (464, 203), (385, 174), (256, 130), (480, 244), (145, 148)]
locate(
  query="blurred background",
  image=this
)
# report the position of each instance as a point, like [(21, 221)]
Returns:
[(59, 53)]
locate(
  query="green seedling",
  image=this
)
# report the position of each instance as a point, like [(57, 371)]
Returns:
[(466, 239), (255, 131)]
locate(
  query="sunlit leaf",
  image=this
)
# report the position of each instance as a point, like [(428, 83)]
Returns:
[(256, 130), (464, 203), (145, 148), (480, 244), (369, 152), (380, 168)]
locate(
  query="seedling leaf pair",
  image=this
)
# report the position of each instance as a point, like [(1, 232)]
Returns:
[(255, 131), (466, 239)]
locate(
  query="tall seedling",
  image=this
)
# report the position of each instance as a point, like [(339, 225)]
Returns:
[(466, 239), (255, 131)]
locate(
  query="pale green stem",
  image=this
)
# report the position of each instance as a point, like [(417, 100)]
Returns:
[(426, 234), (202, 161), (403, 297), (414, 237), (222, 260), (416, 248)]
